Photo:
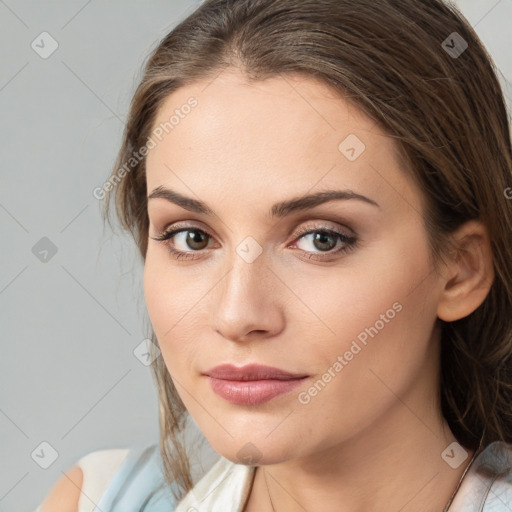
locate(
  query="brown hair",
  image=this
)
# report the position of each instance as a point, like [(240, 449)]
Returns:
[(446, 113)]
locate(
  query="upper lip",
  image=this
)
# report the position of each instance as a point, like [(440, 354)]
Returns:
[(251, 372)]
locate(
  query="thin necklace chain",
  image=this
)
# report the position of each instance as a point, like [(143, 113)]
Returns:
[(445, 508), (460, 481), (268, 490)]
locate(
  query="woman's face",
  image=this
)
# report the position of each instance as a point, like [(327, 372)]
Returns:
[(348, 309)]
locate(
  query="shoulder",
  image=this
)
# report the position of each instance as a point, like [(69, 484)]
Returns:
[(226, 485), (84, 483), (139, 484), (487, 486), (65, 494)]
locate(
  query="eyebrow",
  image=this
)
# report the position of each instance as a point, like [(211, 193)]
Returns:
[(281, 209)]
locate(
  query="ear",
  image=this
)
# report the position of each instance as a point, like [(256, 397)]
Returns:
[(469, 273)]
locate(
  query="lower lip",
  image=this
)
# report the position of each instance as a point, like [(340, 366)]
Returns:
[(252, 392)]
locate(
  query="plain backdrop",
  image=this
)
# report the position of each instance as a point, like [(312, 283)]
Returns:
[(71, 304)]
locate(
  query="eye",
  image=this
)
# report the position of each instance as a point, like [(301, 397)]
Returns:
[(189, 239), (325, 240), (184, 241)]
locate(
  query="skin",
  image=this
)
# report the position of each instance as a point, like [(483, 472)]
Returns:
[(65, 494), (372, 438)]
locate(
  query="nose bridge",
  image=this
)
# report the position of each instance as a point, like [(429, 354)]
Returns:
[(244, 300), (248, 273)]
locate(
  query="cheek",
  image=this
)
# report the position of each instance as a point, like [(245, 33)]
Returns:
[(380, 315), (369, 291), (162, 299), (383, 324), (167, 291), (155, 291), (173, 302)]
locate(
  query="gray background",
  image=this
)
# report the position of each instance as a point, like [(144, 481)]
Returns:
[(70, 324)]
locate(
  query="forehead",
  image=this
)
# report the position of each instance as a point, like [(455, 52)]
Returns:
[(288, 132)]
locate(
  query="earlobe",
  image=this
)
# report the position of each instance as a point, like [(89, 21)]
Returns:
[(469, 273)]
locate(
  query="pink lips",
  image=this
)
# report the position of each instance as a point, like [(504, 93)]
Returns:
[(251, 384)]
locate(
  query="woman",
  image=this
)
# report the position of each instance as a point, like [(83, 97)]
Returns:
[(320, 193)]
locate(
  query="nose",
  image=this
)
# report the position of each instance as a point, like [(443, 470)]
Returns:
[(247, 301)]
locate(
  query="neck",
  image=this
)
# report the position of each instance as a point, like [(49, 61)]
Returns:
[(395, 464)]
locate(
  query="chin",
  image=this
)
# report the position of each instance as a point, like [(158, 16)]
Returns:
[(253, 449)]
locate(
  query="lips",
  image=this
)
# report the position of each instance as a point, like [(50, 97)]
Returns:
[(251, 372), (251, 384)]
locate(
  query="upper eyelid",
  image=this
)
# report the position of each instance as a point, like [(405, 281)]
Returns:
[(313, 225)]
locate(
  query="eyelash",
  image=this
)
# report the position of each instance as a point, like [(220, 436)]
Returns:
[(349, 241)]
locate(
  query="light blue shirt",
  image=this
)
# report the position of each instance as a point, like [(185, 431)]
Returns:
[(138, 485)]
